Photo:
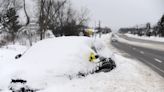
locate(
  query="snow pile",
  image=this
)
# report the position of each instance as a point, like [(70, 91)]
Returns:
[(49, 61), (101, 45), (7, 53), (7, 56), (129, 76), (140, 44), (151, 38)]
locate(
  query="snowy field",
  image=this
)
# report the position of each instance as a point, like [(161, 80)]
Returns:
[(128, 76), (151, 38)]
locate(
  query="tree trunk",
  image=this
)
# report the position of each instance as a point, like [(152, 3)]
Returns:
[(28, 18)]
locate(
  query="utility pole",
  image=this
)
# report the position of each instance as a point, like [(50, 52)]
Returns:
[(99, 29)]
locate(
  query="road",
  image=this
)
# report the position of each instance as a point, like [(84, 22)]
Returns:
[(152, 58), (140, 40)]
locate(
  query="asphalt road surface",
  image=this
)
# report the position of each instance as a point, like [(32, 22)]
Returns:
[(152, 58)]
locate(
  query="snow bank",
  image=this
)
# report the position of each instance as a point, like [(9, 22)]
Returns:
[(101, 45), (129, 76), (146, 45), (8, 53), (151, 38), (7, 56), (51, 60)]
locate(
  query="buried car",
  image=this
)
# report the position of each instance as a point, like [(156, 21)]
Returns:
[(54, 60)]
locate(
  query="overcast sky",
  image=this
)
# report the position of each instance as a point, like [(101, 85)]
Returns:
[(122, 13)]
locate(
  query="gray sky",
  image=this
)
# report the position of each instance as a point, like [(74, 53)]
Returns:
[(122, 13)]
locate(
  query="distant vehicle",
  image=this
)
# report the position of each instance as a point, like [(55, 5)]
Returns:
[(114, 39)]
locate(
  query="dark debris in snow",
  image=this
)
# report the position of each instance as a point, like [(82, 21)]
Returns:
[(19, 85)]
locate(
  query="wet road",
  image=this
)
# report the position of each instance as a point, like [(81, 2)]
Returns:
[(152, 58)]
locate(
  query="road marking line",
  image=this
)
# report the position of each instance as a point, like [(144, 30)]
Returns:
[(141, 52), (157, 60), (156, 67)]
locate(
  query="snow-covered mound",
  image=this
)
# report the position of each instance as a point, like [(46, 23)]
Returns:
[(151, 38), (50, 60)]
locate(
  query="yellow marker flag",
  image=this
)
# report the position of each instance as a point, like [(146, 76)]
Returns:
[(92, 57)]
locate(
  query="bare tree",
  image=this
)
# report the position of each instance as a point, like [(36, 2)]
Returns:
[(83, 17), (69, 21), (48, 13), (60, 17)]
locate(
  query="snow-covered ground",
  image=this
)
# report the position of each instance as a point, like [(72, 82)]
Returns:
[(151, 38), (147, 45), (8, 53), (129, 75)]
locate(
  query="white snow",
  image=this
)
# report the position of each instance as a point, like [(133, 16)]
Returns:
[(47, 67), (151, 38), (129, 76), (7, 53), (49, 59)]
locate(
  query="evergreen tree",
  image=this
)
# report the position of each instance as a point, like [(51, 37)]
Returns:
[(11, 22), (161, 26)]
